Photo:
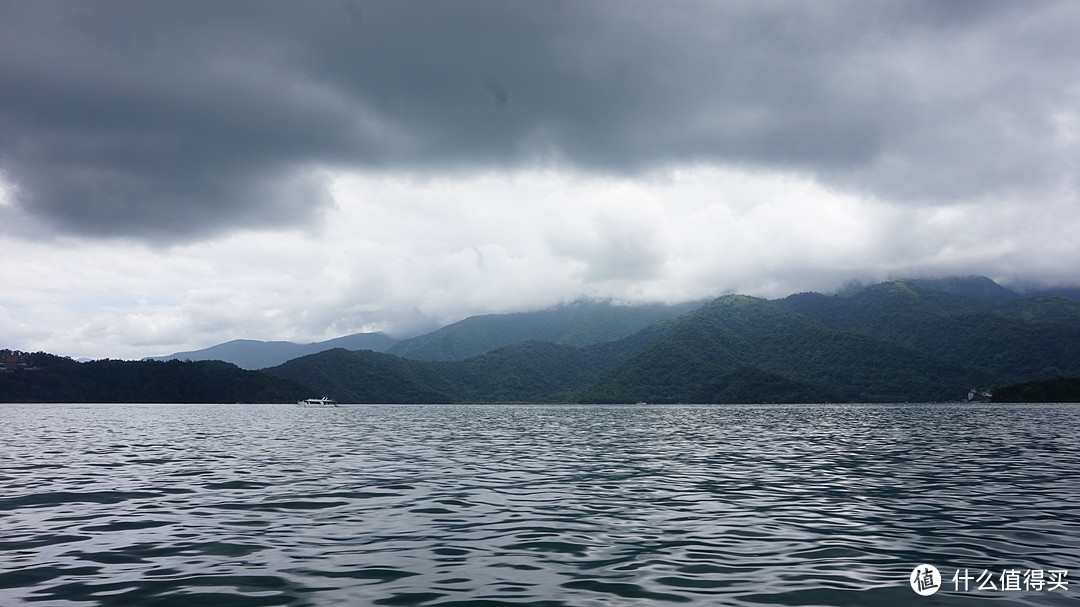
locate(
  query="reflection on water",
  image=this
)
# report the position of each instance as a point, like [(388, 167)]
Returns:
[(532, 505)]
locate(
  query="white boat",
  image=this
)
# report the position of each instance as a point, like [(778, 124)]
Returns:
[(325, 401)]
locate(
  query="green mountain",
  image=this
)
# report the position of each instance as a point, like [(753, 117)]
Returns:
[(1014, 339), (254, 354), (736, 331), (975, 287), (1044, 310), (531, 371), (581, 323), (978, 287), (360, 377), (1072, 293), (750, 384), (897, 341), (43, 378), (1056, 390)]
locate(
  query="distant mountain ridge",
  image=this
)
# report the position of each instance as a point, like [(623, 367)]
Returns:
[(54, 379), (894, 341), (253, 354), (976, 287), (890, 342), (581, 323)]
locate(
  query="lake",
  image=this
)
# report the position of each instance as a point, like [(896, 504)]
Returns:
[(562, 505)]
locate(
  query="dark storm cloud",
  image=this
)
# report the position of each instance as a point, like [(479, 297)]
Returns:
[(187, 118)]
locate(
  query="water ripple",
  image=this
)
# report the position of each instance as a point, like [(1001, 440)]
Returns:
[(531, 505)]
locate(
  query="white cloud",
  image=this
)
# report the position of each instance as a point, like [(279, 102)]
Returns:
[(399, 252)]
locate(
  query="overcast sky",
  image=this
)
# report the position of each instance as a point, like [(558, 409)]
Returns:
[(178, 174)]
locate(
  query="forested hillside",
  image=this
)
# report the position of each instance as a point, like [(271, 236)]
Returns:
[(581, 323), (254, 354), (1013, 339), (1056, 390), (896, 341), (531, 371), (736, 331), (360, 377), (49, 378)]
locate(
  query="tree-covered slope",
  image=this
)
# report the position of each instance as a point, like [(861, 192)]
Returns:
[(1015, 339), (360, 377), (887, 310), (531, 371), (254, 354), (892, 308), (736, 331), (1043, 310), (51, 378), (975, 287), (1056, 390), (890, 342), (896, 341), (578, 324), (749, 384)]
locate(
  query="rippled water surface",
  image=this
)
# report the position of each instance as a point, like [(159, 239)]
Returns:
[(532, 505)]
